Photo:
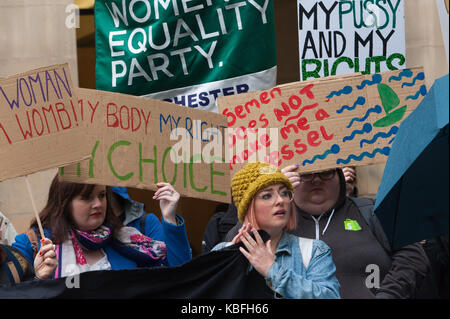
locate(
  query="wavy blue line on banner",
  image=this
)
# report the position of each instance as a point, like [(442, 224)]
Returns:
[(359, 101), (376, 78), (420, 76), (405, 73), (367, 128), (376, 109), (422, 91), (385, 151), (333, 150), (345, 90), (391, 132)]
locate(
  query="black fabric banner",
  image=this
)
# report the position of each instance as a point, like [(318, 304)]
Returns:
[(220, 274)]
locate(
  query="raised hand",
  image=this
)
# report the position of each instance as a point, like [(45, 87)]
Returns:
[(350, 179), (291, 173), (260, 255), (168, 201)]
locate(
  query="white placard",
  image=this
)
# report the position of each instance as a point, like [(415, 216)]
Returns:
[(340, 37)]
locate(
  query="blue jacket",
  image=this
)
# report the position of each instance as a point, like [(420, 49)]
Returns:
[(175, 237), (289, 278)]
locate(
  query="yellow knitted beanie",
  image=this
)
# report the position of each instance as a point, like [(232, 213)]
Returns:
[(252, 178)]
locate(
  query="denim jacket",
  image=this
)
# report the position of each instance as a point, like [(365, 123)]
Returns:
[(288, 278)]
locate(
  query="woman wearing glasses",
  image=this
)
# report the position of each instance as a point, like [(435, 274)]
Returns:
[(365, 265), (291, 268)]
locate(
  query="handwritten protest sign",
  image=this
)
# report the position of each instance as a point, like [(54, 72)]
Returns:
[(348, 36), (39, 127), (322, 123), (139, 142), (185, 52)]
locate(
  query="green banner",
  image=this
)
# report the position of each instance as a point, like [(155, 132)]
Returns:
[(188, 52)]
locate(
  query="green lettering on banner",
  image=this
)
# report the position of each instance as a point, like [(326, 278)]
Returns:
[(394, 56), (174, 179), (124, 153), (194, 158), (91, 161), (184, 175), (340, 60), (111, 167), (311, 74), (184, 171), (188, 171), (372, 65), (147, 160), (213, 173)]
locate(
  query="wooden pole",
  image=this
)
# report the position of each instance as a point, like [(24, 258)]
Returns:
[(36, 214)]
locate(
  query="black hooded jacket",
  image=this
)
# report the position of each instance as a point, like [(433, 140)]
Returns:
[(365, 265)]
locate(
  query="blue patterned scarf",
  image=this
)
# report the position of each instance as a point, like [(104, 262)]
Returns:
[(129, 242)]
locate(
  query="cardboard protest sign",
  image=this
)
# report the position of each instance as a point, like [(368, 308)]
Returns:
[(338, 121), (341, 37), (39, 127), (138, 142), (185, 52)]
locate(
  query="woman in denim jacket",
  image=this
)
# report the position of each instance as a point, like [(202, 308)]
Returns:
[(263, 197)]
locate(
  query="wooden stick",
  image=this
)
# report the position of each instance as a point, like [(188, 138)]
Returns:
[(34, 208)]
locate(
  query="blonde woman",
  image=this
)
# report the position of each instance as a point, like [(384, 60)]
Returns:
[(293, 267)]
